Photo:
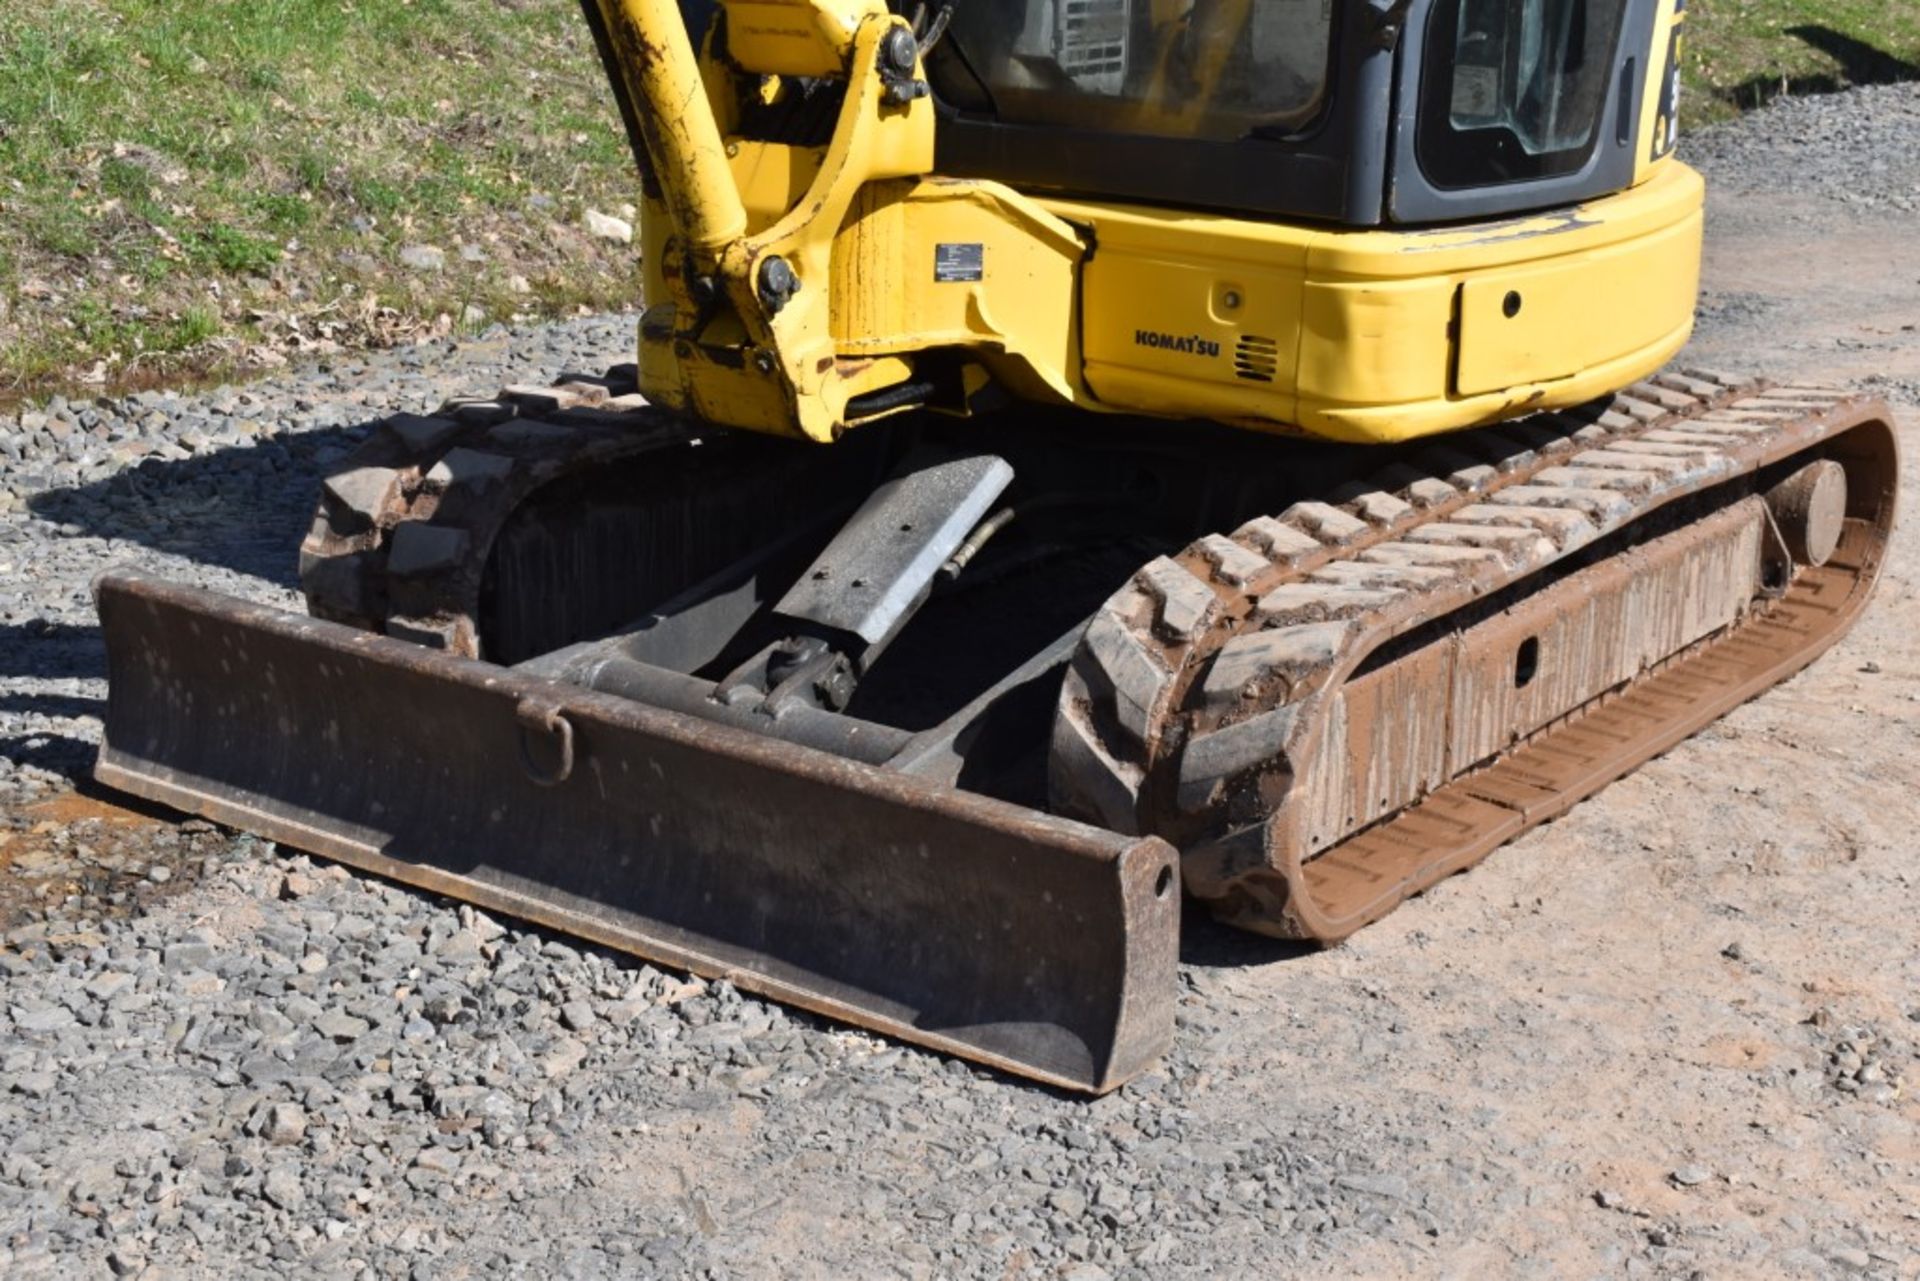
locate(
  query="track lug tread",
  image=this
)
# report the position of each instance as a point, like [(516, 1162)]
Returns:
[(1622, 460), (1084, 775), (1626, 482), (1211, 760), (1366, 573), (1231, 563), (1380, 508), (1693, 452), (478, 413), (1307, 602), (1325, 522), (1646, 411), (418, 434), (1431, 491), (1681, 381), (470, 468), (523, 433), (1186, 603), (1278, 542), (1475, 478), (1136, 678), (1430, 554), (1670, 399), (1514, 543), (420, 548), (362, 494), (1605, 508), (1565, 526), (1728, 381)]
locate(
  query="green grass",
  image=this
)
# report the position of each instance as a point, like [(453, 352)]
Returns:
[(184, 183), (1742, 54), (183, 180)]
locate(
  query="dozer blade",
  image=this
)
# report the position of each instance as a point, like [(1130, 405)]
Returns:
[(1028, 942)]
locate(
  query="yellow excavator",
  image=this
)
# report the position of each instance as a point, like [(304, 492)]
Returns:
[(1077, 450)]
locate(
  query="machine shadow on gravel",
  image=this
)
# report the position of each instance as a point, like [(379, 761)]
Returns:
[(51, 651), (68, 705), (239, 509), (39, 650), (1213, 944), (62, 754), (242, 508)]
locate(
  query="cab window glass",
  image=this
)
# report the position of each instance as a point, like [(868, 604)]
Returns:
[(1514, 89), (1215, 69)]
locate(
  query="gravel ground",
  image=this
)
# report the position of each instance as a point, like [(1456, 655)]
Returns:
[(1860, 149), (1672, 1034)]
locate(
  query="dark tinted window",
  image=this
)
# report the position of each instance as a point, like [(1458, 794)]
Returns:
[(1514, 89), (1219, 69)]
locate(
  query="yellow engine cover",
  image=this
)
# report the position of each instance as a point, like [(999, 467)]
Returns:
[(1385, 335)]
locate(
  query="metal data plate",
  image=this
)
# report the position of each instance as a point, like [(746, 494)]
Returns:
[(1032, 943)]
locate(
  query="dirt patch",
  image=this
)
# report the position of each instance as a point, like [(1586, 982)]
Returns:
[(85, 853)]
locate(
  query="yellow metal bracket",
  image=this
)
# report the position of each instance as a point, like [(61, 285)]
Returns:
[(779, 278), (781, 320)]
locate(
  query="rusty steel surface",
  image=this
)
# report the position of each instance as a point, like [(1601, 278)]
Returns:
[(1333, 709), (1035, 944)]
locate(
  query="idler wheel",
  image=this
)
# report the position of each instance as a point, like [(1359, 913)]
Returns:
[(1810, 506)]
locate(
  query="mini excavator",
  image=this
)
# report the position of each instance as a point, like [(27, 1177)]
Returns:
[(1080, 455)]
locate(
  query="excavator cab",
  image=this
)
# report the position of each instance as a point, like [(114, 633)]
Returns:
[(1353, 113), (1077, 451)]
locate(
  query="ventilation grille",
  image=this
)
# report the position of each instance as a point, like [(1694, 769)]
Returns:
[(1256, 358), (1092, 46)]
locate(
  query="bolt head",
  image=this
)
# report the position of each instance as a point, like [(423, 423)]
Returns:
[(900, 50), (777, 282)]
